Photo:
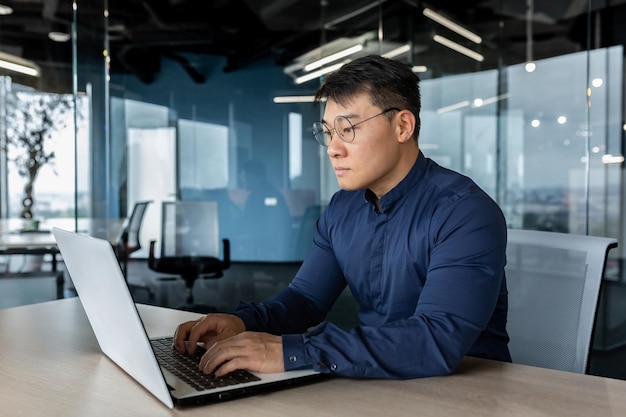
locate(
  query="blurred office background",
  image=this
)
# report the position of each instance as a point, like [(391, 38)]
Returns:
[(177, 99)]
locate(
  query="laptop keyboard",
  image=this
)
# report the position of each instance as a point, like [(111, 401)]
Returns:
[(186, 367)]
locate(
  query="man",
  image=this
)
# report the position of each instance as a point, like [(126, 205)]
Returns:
[(422, 249), (265, 217)]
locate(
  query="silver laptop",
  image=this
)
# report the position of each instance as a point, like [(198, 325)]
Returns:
[(108, 304)]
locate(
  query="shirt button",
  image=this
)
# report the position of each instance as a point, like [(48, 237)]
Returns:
[(293, 359), (333, 367)]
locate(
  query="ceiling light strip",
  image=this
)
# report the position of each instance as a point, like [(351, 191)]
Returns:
[(431, 14), (11, 66), (458, 48), (612, 159), (293, 99), (452, 107), (18, 64), (315, 74), (398, 51), (333, 57), (59, 36), (5, 10), (495, 99)]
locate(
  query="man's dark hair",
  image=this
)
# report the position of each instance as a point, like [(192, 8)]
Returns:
[(388, 83)]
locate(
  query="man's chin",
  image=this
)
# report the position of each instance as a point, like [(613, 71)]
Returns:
[(347, 186)]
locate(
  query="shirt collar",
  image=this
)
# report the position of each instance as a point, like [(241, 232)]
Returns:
[(406, 185)]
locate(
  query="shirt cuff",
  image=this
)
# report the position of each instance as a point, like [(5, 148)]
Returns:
[(294, 354)]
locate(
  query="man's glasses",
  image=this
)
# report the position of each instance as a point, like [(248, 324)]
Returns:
[(342, 126)]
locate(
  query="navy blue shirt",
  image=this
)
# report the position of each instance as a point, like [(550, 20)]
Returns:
[(427, 271)]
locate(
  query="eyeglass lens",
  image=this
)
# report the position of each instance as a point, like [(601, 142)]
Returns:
[(342, 127), (322, 133)]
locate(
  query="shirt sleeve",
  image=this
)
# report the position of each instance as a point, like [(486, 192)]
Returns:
[(304, 303)]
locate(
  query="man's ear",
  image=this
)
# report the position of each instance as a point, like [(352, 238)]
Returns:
[(405, 125)]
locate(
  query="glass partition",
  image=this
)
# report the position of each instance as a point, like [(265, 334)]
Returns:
[(530, 140), (547, 144)]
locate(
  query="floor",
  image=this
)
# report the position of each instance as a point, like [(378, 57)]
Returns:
[(257, 281)]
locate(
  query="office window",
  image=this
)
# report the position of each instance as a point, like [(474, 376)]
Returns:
[(63, 172), (204, 149)]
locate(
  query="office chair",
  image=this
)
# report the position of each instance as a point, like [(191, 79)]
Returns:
[(189, 246), (128, 241), (554, 284)]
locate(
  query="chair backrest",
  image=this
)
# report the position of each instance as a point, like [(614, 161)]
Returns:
[(128, 238), (554, 284), (135, 221), (189, 228)]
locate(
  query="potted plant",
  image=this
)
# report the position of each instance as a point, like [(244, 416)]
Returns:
[(32, 119)]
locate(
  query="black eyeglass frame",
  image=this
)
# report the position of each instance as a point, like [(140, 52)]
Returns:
[(323, 135)]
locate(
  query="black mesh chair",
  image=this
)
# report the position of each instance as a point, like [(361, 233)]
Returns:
[(189, 246), (128, 241)]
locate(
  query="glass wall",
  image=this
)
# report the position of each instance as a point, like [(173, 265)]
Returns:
[(531, 141), (546, 144), (236, 149)]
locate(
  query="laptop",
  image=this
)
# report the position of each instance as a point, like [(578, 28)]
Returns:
[(111, 311)]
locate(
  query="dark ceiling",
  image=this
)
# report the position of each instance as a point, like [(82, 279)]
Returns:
[(142, 33)]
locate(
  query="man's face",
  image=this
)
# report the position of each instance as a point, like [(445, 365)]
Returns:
[(370, 160)]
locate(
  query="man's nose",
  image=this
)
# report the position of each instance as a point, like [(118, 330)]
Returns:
[(336, 147)]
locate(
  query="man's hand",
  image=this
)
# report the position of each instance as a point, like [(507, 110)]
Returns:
[(261, 352), (207, 330)]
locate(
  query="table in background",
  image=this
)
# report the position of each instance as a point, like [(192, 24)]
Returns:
[(99, 227), (52, 366), (17, 239)]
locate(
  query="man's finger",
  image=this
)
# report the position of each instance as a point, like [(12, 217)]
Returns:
[(180, 337), (195, 333)]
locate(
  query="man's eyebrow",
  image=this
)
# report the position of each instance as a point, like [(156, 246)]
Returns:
[(347, 116)]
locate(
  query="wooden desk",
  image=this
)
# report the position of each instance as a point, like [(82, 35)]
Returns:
[(50, 365)]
